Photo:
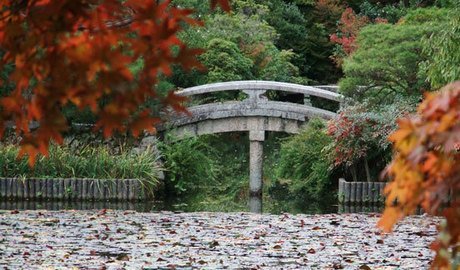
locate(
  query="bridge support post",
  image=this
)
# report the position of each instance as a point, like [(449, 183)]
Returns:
[(256, 151), (307, 100)]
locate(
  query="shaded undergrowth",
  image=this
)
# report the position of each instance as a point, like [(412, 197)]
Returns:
[(211, 173)]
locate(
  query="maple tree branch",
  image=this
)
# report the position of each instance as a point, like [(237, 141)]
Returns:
[(121, 23), (111, 24)]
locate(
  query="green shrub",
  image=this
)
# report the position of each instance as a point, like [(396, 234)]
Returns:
[(392, 13), (191, 165), (386, 64), (304, 165), (87, 162), (443, 51), (207, 173)]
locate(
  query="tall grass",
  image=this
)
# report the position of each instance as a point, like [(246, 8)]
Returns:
[(86, 162)]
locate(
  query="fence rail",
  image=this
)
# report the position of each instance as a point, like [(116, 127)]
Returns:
[(361, 192), (370, 193), (70, 189)]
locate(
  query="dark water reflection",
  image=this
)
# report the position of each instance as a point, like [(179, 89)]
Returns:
[(272, 208), (82, 205)]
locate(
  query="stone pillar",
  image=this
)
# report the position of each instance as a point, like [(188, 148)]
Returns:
[(307, 100), (256, 150)]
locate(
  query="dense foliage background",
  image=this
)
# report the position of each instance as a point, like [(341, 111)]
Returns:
[(383, 54)]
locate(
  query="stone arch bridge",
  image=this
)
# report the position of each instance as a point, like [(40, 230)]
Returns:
[(255, 114)]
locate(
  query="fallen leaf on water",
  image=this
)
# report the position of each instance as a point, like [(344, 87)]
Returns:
[(123, 257), (213, 244), (337, 266), (102, 212)]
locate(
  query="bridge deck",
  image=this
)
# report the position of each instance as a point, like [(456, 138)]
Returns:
[(264, 85), (232, 109)]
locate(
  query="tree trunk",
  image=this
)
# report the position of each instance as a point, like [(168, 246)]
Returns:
[(353, 173), (368, 173)]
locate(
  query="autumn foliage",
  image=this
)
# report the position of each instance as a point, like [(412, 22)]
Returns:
[(426, 170), (348, 28), (350, 145), (78, 52), (347, 32)]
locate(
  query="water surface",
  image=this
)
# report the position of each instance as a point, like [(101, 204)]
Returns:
[(156, 206)]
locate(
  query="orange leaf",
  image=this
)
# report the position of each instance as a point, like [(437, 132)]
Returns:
[(29, 150), (430, 162), (390, 216), (402, 132), (144, 123), (224, 4)]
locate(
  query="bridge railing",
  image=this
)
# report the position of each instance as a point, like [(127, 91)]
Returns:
[(257, 89), (243, 115)]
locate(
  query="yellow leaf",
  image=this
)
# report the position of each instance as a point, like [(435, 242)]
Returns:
[(390, 216)]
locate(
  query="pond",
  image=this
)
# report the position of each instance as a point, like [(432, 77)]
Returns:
[(114, 239), (270, 207)]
